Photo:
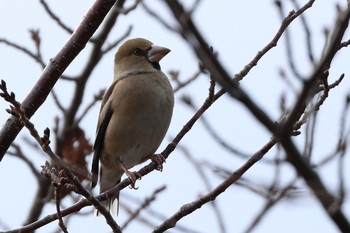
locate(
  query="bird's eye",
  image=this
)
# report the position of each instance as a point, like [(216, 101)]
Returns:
[(138, 52)]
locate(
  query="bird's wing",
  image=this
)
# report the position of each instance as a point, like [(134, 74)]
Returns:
[(103, 120)]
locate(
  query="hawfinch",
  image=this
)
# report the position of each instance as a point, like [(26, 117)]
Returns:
[(135, 115)]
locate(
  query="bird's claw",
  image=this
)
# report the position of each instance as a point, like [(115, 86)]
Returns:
[(159, 159), (133, 176)]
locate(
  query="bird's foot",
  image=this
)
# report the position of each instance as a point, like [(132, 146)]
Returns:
[(159, 159), (133, 176)]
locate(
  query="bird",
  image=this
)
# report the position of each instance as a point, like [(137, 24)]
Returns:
[(135, 114)]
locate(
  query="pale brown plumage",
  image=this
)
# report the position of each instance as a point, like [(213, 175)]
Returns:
[(135, 114)]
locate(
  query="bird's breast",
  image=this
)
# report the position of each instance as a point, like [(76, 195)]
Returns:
[(142, 110)]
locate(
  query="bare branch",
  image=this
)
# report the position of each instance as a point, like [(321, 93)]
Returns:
[(57, 102), (307, 33), (158, 18), (93, 59), (209, 59), (197, 166), (24, 50), (192, 206), (55, 17), (289, 49), (153, 213), (54, 70), (117, 42), (144, 171), (180, 84), (58, 201), (19, 153), (270, 203), (44, 141), (146, 203), (273, 43), (126, 11), (97, 97)]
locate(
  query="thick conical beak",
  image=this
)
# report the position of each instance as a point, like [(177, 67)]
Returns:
[(156, 53)]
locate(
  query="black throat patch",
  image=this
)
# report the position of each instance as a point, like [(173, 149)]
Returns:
[(156, 65)]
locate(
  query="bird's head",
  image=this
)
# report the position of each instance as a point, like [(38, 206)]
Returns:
[(138, 55)]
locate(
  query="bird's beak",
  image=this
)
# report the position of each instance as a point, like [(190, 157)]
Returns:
[(156, 53)]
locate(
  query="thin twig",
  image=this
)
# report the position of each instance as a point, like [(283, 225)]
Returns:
[(24, 50), (307, 33), (143, 205), (273, 43), (197, 166), (55, 68), (59, 215), (192, 206), (194, 7), (212, 132), (19, 153), (55, 17), (180, 85), (290, 55), (44, 141), (126, 11), (152, 213), (269, 204), (158, 18), (57, 102), (143, 171), (117, 42), (97, 97), (95, 56), (209, 59)]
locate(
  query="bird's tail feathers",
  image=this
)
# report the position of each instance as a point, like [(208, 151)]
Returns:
[(111, 204), (108, 179)]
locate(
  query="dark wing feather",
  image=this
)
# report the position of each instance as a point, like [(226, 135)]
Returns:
[(98, 146), (101, 131)]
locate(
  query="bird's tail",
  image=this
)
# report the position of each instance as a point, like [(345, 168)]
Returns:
[(111, 204), (108, 179)]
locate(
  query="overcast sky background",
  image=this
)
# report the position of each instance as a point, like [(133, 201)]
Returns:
[(237, 30)]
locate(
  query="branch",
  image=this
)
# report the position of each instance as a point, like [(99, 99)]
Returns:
[(16, 111), (289, 49), (58, 209), (217, 138), (146, 203), (54, 70), (57, 102), (24, 50), (192, 206), (97, 97), (174, 76), (328, 201), (209, 60), (117, 42), (282, 133), (158, 18), (19, 153), (307, 34), (55, 17), (200, 170), (126, 182), (270, 203), (93, 59), (156, 214), (129, 9), (320, 72)]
